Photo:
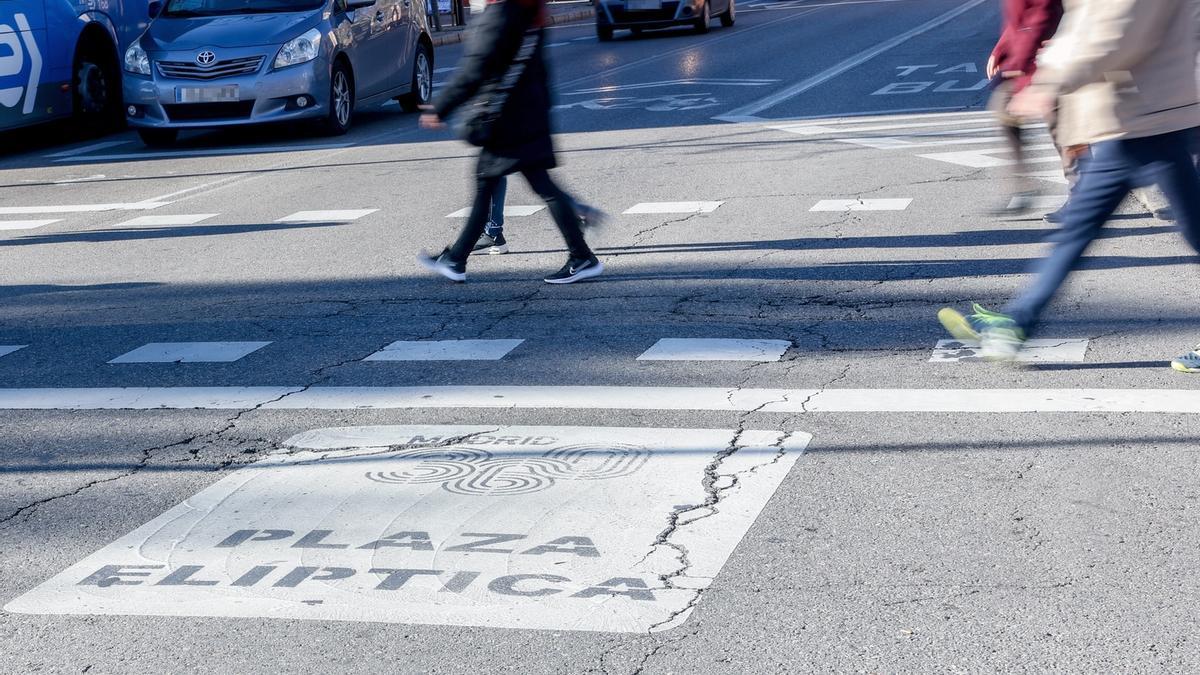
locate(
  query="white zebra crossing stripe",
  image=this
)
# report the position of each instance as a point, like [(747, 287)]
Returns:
[(445, 350), (167, 221), (26, 224), (336, 216), (190, 352), (5, 350), (985, 159), (513, 211), (79, 208), (1039, 202), (554, 528), (862, 205), (728, 399), (715, 349), (1041, 350), (673, 207)]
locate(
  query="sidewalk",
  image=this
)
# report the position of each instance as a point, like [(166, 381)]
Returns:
[(559, 12)]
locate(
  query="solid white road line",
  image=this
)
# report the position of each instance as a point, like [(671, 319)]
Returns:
[(445, 350), (703, 81), (167, 221), (862, 204), (5, 350), (674, 207), (80, 208), (342, 216), (513, 211), (710, 349), (1041, 350), (26, 224), (850, 63), (83, 149), (190, 352), (1186, 401), (209, 152), (821, 129)]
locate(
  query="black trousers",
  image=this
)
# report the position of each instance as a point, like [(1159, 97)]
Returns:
[(562, 209)]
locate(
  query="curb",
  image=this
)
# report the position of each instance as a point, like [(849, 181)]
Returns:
[(456, 36)]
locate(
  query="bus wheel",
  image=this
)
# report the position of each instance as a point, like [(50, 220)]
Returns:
[(96, 86)]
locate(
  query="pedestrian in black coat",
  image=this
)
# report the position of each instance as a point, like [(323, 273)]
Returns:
[(507, 43)]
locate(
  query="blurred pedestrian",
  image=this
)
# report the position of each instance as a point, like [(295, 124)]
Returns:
[(1127, 88), (1028, 24), (503, 76), (492, 240)]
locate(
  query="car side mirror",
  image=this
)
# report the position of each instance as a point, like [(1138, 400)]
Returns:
[(154, 8)]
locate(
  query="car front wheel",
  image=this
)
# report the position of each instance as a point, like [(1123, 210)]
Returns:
[(730, 15), (604, 33), (422, 81), (704, 20), (341, 100)]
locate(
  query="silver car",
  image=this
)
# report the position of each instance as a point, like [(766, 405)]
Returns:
[(217, 63)]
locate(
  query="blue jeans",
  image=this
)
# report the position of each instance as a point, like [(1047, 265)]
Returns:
[(1106, 177), (496, 214)]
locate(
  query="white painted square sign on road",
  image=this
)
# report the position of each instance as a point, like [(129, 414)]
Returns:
[(556, 528)]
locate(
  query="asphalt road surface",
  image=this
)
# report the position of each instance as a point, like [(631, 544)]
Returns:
[(243, 432)]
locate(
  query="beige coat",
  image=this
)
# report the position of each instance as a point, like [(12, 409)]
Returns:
[(1124, 69)]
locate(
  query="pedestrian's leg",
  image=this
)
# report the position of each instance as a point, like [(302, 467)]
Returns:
[(484, 188), (496, 214), (1105, 179), (1170, 163), (562, 209)]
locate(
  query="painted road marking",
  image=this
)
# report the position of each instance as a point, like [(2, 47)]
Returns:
[(985, 159), (851, 63), (553, 528), (83, 149), (210, 152), (5, 350), (337, 216), (190, 352), (26, 224), (445, 350), (862, 205), (167, 221), (80, 208), (690, 82), (710, 349), (1038, 202), (730, 399), (674, 207), (514, 211), (1042, 350), (841, 125)]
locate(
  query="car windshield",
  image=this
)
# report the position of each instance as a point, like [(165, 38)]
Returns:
[(185, 8)]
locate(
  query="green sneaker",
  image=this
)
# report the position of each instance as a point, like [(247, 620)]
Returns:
[(999, 337), (1188, 363)]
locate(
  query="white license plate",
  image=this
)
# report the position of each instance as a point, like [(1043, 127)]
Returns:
[(643, 5), (206, 94)]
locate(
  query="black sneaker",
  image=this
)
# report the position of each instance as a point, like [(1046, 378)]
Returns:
[(1054, 217), (493, 244), (577, 269), (443, 265)]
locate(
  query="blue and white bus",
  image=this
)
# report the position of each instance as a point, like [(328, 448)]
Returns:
[(60, 58)]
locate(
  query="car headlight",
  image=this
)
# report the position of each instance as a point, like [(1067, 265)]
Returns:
[(136, 60), (301, 50)]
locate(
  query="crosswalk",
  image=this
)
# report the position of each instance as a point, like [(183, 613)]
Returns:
[(667, 349), (967, 139)]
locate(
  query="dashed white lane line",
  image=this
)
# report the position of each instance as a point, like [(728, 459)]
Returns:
[(986, 159), (510, 211), (1044, 350), (732, 399), (445, 350), (715, 349), (80, 208), (167, 221), (862, 205), (338, 216), (5, 350), (1039, 202), (674, 207), (190, 352), (202, 152), (26, 224)]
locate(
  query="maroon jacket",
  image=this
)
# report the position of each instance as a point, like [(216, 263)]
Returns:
[(1027, 24)]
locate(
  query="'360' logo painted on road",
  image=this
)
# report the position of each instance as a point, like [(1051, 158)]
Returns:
[(13, 62), (470, 471)]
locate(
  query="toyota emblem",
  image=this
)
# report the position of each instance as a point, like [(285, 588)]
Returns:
[(206, 58)]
